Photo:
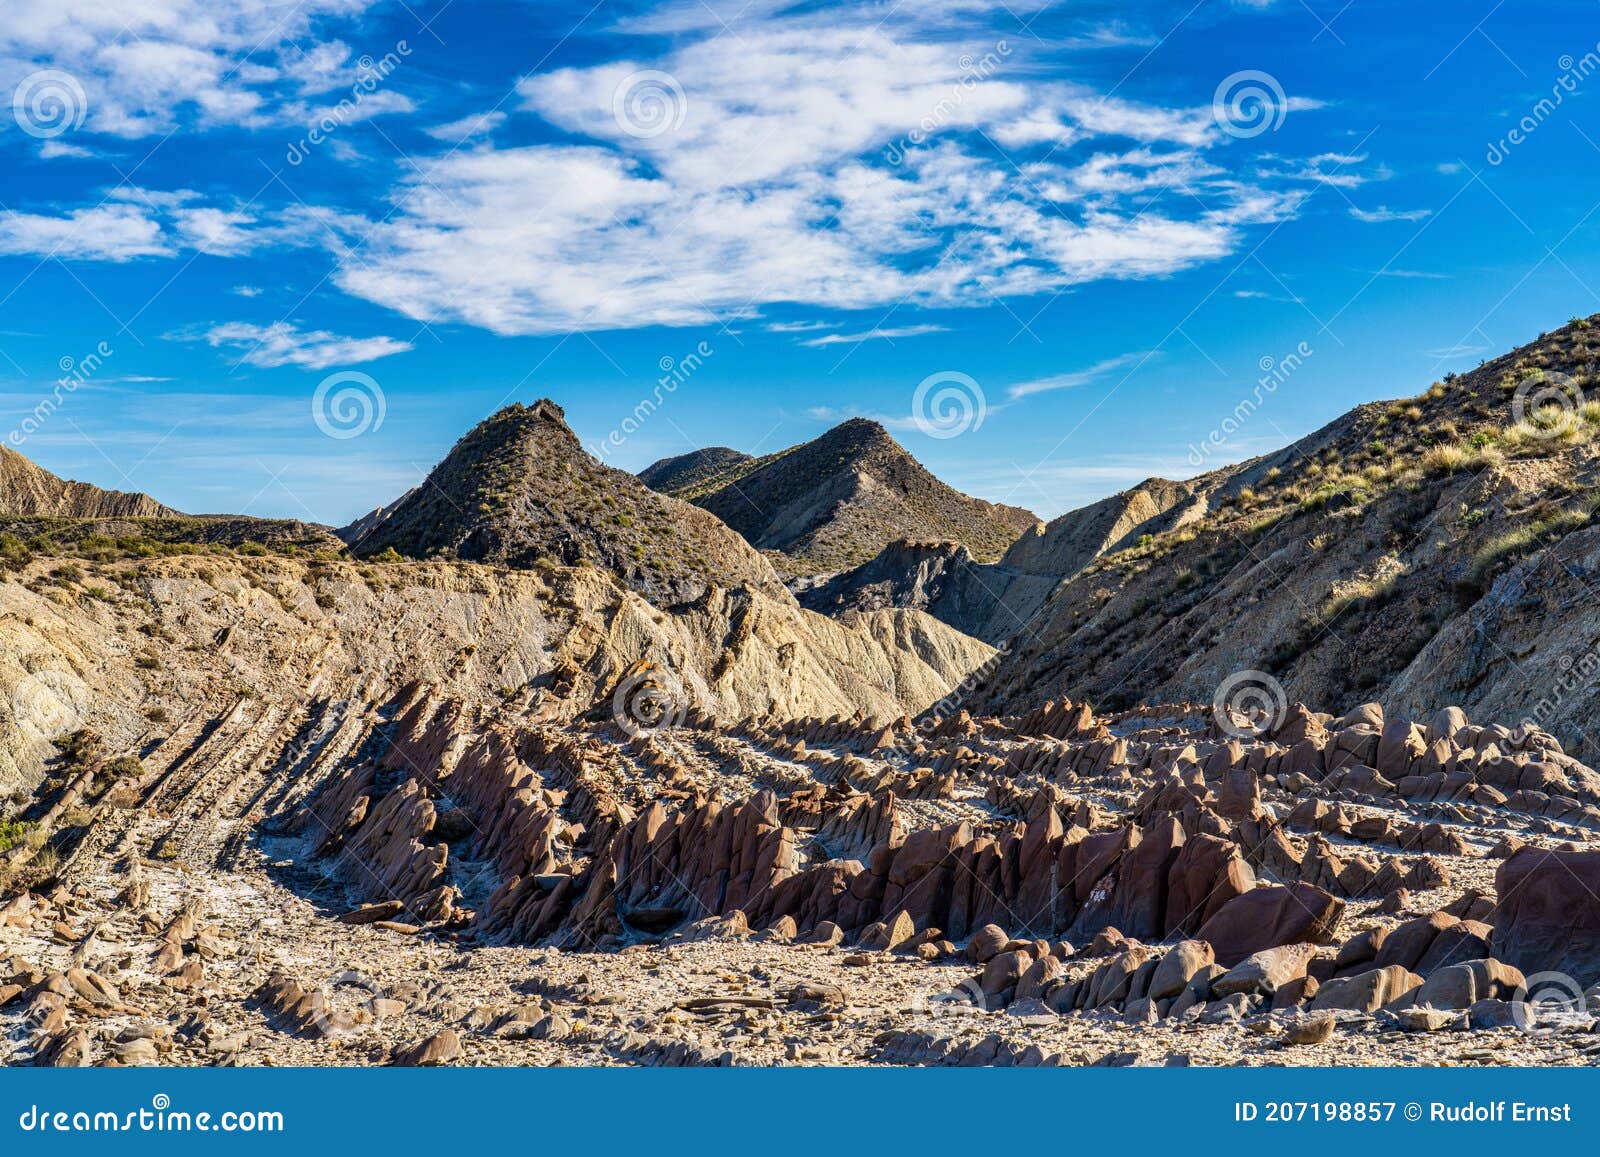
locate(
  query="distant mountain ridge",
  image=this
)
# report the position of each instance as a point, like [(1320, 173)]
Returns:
[(689, 471), (28, 490), (835, 502)]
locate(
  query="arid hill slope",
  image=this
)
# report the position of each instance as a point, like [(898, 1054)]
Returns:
[(29, 490), (690, 471), (1432, 550), (519, 490), (132, 649), (994, 601), (836, 501)]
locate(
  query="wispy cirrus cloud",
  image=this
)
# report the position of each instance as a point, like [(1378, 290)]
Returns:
[(1072, 379), (1383, 214), (468, 127), (880, 334), (284, 344)]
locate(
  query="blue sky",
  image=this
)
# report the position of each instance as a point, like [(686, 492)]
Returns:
[(286, 254)]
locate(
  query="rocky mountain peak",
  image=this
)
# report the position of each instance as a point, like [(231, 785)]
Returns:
[(838, 500), (519, 489)]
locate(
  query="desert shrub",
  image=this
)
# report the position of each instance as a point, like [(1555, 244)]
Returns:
[(1446, 460)]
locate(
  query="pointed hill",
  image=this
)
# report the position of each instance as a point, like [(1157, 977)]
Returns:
[(28, 490), (519, 490), (837, 501)]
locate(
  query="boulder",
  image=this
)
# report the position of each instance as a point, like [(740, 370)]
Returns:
[(1366, 992), (1547, 917), (1003, 972), (1263, 973), (986, 943), (1313, 1030), (1177, 968), (1270, 916), (439, 1049)]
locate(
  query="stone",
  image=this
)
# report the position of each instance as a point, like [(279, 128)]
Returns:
[(1271, 916), (1427, 1019), (1463, 940), (1295, 993), (986, 943), (1037, 978), (1141, 1011), (371, 913), (1227, 1010), (1491, 1014), (826, 934), (1546, 917), (1448, 988), (1263, 973), (1197, 991), (810, 997), (1357, 953), (1395, 902), (1003, 972), (891, 934), (440, 1049), (1407, 942), (1366, 992), (1311, 1030), (1178, 966)]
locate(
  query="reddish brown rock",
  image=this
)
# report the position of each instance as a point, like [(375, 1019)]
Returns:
[(1547, 917), (1267, 917)]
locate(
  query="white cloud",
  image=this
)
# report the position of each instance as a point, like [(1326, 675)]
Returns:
[(247, 290), (881, 334), (1412, 274), (145, 67), (1383, 214), (282, 344), (479, 125), (132, 222), (54, 149), (114, 231), (1074, 378), (798, 326), (807, 163)]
